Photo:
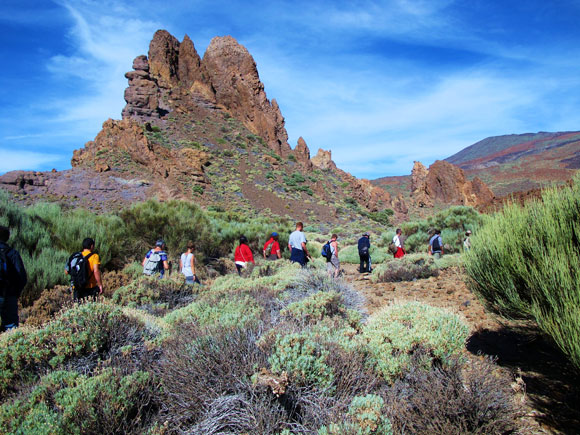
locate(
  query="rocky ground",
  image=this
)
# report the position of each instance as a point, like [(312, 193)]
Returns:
[(550, 386)]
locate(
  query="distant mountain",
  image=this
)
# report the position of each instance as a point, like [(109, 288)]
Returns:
[(518, 163)]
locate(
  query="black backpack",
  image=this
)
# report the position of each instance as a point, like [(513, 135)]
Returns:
[(79, 269), (436, 245), (4, 274), (326, 251)]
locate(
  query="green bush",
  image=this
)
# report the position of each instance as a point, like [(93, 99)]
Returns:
[(453, 222), (46, 236), (69, 403), (365, 416), (408, 268), (83, 330), (302, 358), (315, 307), (524, 263), (229, 312), (393, 334)]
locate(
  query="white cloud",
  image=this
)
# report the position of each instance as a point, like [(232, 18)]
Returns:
[(24, 160)]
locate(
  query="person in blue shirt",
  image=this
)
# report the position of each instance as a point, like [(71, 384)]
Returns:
[(12, 281), (297, 246), (436, 245), (364, 246)]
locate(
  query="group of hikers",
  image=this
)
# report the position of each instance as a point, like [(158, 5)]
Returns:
[(83, 267)]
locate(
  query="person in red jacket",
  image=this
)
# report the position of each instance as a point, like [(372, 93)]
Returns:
[(243, 255), (274, 252)]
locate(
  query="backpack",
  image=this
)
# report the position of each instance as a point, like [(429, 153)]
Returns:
[(79, 269), (153, 264), (363, 251), (392, 248), (326, 252), (436, 247), (4, 275)]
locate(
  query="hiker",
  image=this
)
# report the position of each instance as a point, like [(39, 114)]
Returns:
[(243, 255), (364, 246), (297, 246), (156, 260), (272, 248), (436, 245), (12, 281), (84, 270), (467, 241), (187, 265), (332, 262), (398, 244)]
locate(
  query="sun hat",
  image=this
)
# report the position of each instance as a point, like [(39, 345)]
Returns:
[(274, 234)]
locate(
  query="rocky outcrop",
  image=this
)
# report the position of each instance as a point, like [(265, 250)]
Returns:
[(227, 75), (323, 160), (142, 95), (302, 153), (419, 190), (446, 183), (128, 136)]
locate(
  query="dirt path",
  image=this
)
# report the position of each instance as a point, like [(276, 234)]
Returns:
[(552, 386)]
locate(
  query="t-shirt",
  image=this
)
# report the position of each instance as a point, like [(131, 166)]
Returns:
[(397, 241), (296, 239), (186, 264), (440, 243), (93, 260)]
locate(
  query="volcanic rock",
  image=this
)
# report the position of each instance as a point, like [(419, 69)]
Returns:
[(323, 160), (302, 153), (237, 85), (446, 183), (419, 193)]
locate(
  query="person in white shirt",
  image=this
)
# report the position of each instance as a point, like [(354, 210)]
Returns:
[(399, 244)]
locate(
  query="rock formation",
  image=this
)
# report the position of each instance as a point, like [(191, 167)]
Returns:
[(419, 190), (127, 136), (446, 183), (174, 75), (302, 153), (323, 160)]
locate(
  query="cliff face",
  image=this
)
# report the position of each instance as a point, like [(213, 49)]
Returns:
[(446, 183), (174, 77)]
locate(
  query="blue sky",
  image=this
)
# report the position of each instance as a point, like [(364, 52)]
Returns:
[(380, 83)]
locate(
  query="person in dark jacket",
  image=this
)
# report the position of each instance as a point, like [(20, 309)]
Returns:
[(12, 281), (364, 246)]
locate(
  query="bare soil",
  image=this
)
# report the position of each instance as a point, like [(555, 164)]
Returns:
[(551, 385)]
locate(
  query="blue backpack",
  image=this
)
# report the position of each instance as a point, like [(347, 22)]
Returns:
[(326, 252)]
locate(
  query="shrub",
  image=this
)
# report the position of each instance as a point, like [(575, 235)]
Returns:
[(365, 416), (302, 358), (174, 221), (395, 333), (155, 295), (408, 268), (201, 367), (453, 222), (86, 333), (524, 263), (66, 402), (47, 305), (229, 312), (315, 308), (454, 399)]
